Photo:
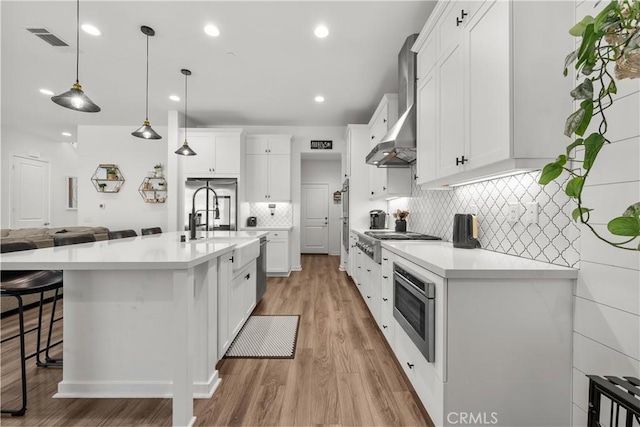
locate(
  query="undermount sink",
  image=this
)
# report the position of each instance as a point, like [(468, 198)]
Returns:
[(245, 252)]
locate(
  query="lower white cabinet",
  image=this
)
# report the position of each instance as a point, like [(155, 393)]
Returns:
[(242, 298), (278, 253), (387, 324), (236, 300), (503, 344)]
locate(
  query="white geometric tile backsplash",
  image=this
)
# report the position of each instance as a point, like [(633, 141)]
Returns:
[(555, 239), (282, 216)]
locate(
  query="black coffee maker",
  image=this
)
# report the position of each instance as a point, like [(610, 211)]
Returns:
[(465, 231), (377, 219)]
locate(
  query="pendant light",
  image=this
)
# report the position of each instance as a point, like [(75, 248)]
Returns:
[(146, 131), (75, 98), (185, 150)]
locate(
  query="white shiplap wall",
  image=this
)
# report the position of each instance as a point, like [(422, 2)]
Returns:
[(607, 301)]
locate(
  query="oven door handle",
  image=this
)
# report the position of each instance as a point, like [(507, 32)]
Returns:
[(416, 291)]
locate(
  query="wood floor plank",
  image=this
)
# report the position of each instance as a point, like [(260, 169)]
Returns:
[(343, 373)]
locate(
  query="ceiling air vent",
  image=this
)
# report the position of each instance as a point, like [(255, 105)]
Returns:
[(47, 36)]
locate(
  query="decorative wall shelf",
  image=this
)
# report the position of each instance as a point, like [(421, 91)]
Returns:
[(107, 178), (153, 190)]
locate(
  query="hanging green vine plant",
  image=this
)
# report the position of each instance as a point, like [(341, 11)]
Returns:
[(613, 36)]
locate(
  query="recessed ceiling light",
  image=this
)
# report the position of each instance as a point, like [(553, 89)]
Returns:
[(90, 29), (46, 92), (321, 31), (386, 153), (212, 30), (319, 98), (174, 98), (66, 134)]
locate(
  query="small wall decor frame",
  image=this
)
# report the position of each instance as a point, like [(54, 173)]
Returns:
[(71, 189), (153, 189), (107, 178)]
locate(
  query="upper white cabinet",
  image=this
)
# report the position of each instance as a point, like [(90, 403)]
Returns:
[(490, 97), (268, 168), (386, 182), (218, 152)]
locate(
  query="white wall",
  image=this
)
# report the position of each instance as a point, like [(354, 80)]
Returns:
[(327, 171), (607, 301), (63, 161), (135, 157)]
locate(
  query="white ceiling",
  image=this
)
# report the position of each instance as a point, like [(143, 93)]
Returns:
[(279, 65)]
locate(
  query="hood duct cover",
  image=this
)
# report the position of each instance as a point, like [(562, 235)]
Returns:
[(398, 147)]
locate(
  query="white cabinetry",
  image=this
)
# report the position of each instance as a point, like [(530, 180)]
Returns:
[(386, 182), (268, 168), (278, 253), (481, 319), (483, 107), (242, 298), (218, 152)]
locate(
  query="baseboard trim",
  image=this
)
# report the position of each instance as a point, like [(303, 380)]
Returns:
[(296, 268), (132, 389)]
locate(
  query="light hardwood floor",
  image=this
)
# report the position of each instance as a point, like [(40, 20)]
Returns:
[(343, 373)]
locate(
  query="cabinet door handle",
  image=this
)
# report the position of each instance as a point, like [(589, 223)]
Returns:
[(372, 193), (368, 297), (410, 365), (248, 276), (384, 188), (458, 22), (461, 161), (463, 14), (373, 136), (385, 277), (385, 259), (384, 120), (359, 267), (231, 259), (368, 270), (385, 299), (384, 326)]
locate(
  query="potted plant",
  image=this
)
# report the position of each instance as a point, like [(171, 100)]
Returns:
[(101, 186), (158, 170), (112, 173), (610, 43)]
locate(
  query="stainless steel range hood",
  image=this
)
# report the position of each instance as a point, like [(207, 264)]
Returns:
[(398, 147)]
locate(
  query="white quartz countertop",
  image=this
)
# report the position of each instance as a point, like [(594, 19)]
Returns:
[(284, 228), (157, 252), (241, 234), (446, 261)]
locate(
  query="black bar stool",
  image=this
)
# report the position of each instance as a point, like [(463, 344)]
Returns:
[(17, 284), (63, 240), (152, 230), (121, 234)]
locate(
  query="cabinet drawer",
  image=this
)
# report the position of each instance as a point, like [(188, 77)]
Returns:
[(386, 287), (422, 374), (278, 235), (387, 326)]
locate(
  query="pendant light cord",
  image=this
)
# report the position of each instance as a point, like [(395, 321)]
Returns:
[(78, 41), (186, 115), (146, 106)]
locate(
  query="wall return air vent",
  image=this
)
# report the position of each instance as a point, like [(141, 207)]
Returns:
[(48, 36)]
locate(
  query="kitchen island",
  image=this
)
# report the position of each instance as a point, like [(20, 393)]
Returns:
[(140, 315)]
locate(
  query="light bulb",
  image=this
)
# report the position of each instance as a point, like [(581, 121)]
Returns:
[(146, 134), (77, 102)]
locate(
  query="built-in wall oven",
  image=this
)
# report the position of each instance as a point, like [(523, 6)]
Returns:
[(414, 307)]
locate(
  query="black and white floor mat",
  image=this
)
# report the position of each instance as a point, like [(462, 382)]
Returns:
[(266, 337)]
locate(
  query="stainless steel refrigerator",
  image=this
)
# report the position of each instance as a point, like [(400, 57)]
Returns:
[(227, 191)]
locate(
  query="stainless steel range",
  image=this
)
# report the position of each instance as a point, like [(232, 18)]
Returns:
[(371, 244)]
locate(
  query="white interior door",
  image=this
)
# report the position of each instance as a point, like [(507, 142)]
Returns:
[(315, 219), (30, 193)]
